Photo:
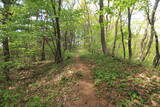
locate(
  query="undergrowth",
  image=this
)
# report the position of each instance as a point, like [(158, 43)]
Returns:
[(121, 81), (15, 93)]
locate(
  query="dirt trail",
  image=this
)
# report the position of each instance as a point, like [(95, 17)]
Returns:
[(83, 93)]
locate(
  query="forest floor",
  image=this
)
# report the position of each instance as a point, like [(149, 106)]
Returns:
[(83, 92), (86, 80)]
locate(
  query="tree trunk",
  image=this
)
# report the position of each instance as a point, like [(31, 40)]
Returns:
[(6, 52), (43, 50), (115, 39), (5, 41), (101, 21), (129, 34), (58, 54), (149, 46), (153, 33), (57, 11), (122, 34), (143, 43), (65, 41), (107, 18), (157, 57)]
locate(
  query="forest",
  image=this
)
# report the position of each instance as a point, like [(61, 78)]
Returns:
[(79, 53)]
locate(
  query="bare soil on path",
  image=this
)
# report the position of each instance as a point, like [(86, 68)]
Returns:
[(83, 93)]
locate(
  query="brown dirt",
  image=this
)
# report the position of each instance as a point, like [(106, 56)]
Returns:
[(80, 93), (83, 93)]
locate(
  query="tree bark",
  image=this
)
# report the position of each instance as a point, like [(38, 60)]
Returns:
[(65, 41), (129, 34), (115, 38), (43, 50), (143, 43), (151, 20), (122, 34), (5, 40), (101, 21), (157, 56), (58, 52), (149, 46)]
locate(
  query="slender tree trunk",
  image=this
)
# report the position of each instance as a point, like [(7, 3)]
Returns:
[(6, 51), (143, 44), (5, 40), (122, 34), (129, 34), (148, 47), (6, 54), (101, 21), (65, 41), (88, 25), (43, 50), (57, 11), (151, 20), (49, 45), (58, 54), (107, 17), (157, 57), (71, 42), (74, 40), (115, 38)]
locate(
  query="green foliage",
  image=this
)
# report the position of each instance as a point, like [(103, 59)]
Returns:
[(69, 54), (34, 101), (122, 104), (8, 98), (119, 77), (6, 65), (133, 94), (109, 73)]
